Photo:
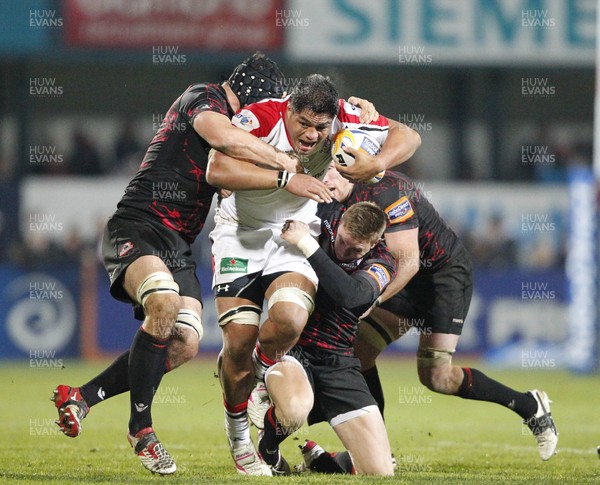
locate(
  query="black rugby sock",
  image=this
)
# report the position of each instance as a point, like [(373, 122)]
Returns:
[(112, 381), (274, 435), (372, 377), (333, 463), (146, 367), (479, 387)]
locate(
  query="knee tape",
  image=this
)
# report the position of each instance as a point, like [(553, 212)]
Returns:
[(189, 318), (430, 357), (242, 315), (159, 282), (293, 295)]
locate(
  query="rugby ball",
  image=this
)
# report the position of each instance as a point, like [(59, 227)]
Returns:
[(359, 140)]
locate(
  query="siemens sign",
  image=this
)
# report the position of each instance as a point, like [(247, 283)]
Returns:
[(445, 32)]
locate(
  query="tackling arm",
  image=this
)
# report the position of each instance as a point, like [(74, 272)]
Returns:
[(350, 291), (404, 246), (232, 174), (221, 135)]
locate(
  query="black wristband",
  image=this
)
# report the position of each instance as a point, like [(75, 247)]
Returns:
[(280, 176), (283, 178)]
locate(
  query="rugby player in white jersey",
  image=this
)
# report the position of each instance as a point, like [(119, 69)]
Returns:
[(252, 262)]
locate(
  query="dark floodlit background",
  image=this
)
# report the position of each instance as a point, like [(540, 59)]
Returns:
[(501, 93)]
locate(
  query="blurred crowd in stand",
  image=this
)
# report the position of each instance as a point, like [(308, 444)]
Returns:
[(85, 158)]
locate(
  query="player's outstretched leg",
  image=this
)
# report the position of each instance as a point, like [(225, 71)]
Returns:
[(73, 403), (532, 406), (436, 372)]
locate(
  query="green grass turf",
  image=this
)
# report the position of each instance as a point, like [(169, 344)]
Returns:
[(436, 439)]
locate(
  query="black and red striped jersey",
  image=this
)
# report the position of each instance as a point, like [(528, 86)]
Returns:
[(407, 208), (171, 182), (346, 289)]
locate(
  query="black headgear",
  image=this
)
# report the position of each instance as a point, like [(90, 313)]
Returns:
[(258, 77)]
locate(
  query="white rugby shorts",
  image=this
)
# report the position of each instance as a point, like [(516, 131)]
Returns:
[(239, 252)]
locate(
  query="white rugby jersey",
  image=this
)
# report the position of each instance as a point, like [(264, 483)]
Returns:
[(270, 208)]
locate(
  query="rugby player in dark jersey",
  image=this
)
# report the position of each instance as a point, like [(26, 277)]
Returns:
[(432, 291), (319, 379), (163, 210)]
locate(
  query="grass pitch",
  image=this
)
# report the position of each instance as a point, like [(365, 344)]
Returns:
[(436, 439)]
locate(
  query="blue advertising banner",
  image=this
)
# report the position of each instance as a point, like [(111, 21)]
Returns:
[(582, 270), (517, 318), (39, 314), (522, 316)]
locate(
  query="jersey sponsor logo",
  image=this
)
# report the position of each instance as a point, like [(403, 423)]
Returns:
[(380, 274), (351, 265), (400, 211), (233, 265), (125, 249), (246, 120), (329, 229)]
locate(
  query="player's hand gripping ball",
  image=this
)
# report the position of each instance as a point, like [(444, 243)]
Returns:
[(361, 141)]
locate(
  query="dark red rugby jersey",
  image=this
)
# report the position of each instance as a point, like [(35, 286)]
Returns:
[(407, 208), (171, 182), (333, 326)]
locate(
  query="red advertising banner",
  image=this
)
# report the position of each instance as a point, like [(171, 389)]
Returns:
[(193, 24)]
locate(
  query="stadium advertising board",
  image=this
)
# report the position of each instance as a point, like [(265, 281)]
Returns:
[(421, 32), (39, 314), (582, 271), (198, 25)]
